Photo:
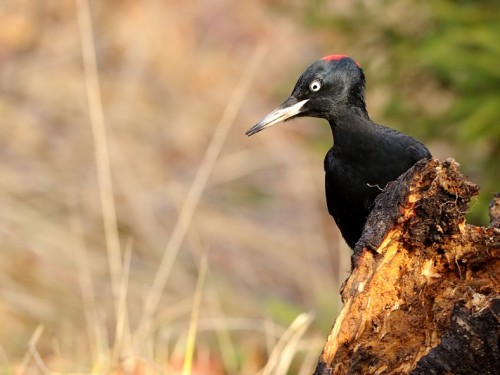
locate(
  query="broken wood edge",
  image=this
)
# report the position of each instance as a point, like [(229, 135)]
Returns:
[(415, 236)]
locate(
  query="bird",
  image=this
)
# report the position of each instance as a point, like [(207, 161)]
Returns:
[(365, 156)]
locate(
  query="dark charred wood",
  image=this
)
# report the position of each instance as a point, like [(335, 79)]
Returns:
[(469, 346)]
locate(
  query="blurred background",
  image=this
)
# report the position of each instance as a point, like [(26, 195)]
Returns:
[(135, 249)]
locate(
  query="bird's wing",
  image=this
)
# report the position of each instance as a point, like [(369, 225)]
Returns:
[(418, 151)]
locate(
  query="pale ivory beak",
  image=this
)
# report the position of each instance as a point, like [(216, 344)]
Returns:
[(285, 111)]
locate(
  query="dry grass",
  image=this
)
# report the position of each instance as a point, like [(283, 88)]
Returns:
[(124, 165)]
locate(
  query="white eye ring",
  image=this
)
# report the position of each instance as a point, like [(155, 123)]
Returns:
[(315, 85)]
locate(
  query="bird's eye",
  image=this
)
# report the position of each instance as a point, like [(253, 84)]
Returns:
[(315, 86)]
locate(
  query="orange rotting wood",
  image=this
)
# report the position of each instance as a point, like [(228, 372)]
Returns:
[(424, 294)]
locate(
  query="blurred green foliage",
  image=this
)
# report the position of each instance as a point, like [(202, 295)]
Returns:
[(438, 62), (282, 312)]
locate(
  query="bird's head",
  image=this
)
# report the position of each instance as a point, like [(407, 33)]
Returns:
[(329, 86)]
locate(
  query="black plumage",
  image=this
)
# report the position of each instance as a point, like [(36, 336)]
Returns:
[(365, 156)]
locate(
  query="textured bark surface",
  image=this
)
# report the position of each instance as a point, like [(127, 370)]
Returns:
[(424, 297)]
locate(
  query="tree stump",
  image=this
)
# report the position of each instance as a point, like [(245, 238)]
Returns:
[(423, 296)]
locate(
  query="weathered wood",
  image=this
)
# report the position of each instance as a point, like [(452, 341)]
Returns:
[(424, 295), (494, 211)]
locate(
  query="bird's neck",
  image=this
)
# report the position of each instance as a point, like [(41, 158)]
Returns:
[(350, 115), (348, 124)]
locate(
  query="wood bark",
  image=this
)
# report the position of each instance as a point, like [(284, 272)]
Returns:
[(424, 294)]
